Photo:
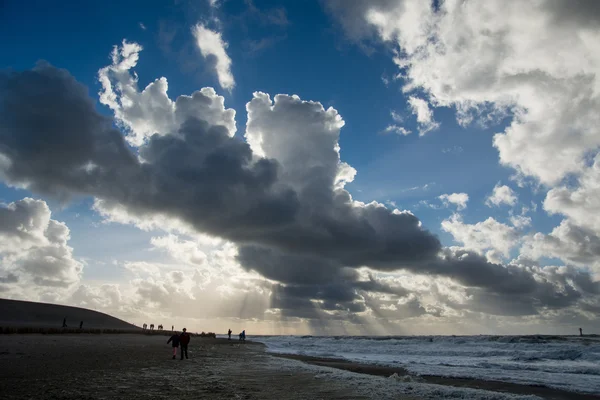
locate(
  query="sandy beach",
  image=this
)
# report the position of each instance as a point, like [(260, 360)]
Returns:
[(139, 366)]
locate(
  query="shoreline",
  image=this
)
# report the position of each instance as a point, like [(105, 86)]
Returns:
[(472, 383), (137, 366)]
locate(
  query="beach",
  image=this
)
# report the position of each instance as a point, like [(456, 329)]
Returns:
[(136, 366)]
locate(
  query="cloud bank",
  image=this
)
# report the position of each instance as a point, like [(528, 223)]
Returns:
[(279, 195)]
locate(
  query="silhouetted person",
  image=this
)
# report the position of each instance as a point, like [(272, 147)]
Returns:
[(81, 325), (184, 340), (229, 334), (580, 332), (65, 323), (172, 328), (174, 340), (243, 336)]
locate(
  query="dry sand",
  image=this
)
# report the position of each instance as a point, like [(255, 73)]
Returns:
[(133, 366)]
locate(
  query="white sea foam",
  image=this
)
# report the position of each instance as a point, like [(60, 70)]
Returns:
[(568, 363), (379, 388)]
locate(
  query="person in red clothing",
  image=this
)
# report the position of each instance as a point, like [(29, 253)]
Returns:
[(184, 340)]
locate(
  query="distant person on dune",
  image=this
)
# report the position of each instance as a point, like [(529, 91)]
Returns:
[(174, 340), (184, 339), (65, 322), (229, 334), (580, 332), (172, 328)]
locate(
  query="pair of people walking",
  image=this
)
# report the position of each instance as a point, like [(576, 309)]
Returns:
[(242, 335), (180, 340)]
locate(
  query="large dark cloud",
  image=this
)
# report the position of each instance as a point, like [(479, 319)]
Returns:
[(577, 12), (292, 220), (56, 143)]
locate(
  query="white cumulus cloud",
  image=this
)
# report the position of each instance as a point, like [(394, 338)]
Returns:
[(144, 113), (536, 60), (211, 43), (482, 237), (502, 194), (34, 250), (458, 199)]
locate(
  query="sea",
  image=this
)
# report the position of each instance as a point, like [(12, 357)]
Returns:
[(562, 362)]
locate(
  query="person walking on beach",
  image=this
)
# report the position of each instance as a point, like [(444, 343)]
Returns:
[(81, 325), (243, 336), (580, 332), (172, 328), (174, 340), (229, 334), (184, 340), (65, 322)]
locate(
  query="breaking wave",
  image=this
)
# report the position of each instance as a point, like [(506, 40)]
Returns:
[(563, 362)]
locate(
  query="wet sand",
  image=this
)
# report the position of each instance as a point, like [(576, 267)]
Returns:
[(134, 366)]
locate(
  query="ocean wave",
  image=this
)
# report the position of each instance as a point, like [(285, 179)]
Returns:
[(570, 363)]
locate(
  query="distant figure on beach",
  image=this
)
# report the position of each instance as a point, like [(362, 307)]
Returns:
[(243, 336), (184, 340), (229, 334), (172, 328), (81, 325), (580, 332), (174, 340), (65, 322)]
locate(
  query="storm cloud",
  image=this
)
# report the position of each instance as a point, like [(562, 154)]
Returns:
[(279, 195), (54, 142)]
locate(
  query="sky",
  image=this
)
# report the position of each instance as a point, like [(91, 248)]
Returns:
[(391, 167)]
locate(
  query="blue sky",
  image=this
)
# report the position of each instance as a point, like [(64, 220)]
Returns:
[(343, 57), (309, 58)]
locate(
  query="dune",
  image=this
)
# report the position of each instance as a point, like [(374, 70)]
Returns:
[(16, 313)]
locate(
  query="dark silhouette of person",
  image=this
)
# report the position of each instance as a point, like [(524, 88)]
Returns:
[(229, 334), (243, 336), (174, 340), (65, 322), (580, 332), (172, 328), (81, 325), (184, 340)]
